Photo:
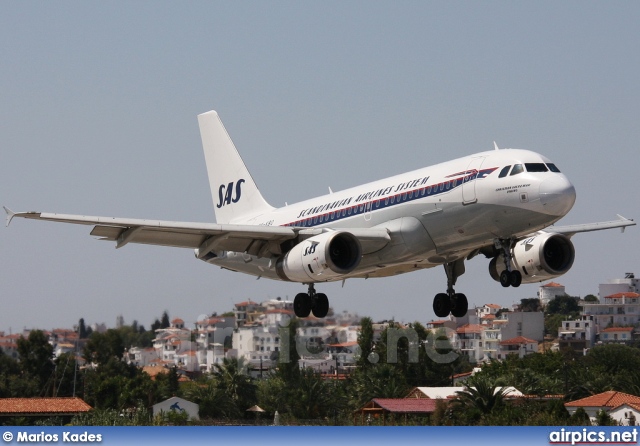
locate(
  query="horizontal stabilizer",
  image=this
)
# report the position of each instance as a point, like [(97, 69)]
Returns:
[(10, 215)]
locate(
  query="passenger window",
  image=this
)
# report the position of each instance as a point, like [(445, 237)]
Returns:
[(553, 168), (517, 169), (535, 167), (504, 172)]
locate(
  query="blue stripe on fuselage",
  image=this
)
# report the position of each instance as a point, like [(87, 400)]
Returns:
[(392, 200)]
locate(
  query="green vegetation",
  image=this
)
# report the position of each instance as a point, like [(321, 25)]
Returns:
[(122, 394)]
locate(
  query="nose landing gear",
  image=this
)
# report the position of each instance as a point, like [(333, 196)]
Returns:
[(508, 277)]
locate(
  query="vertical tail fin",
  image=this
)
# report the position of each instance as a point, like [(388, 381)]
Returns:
[(235, 195)]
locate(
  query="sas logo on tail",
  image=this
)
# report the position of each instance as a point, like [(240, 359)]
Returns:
[(230, 193)]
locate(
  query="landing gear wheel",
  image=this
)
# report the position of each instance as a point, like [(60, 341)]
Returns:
[(505, 278), (320, 306), (459, 305), (441, 305), (515, 279), (302, 305)]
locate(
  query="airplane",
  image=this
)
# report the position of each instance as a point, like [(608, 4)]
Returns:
[(500, 203)]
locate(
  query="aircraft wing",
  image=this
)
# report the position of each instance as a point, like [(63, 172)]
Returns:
[(261, 241), (571, 230)]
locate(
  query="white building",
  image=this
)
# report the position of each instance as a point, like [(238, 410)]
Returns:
[(470, 341), (142, 357), (520, 346), (172, 340), (213, 330), (481, 339), (627, 414), (257, 342), (178, 405), (627, 285), (245, 312), (529, 324), (577, 334), (614, 310), (487, 309), (550, 291), (607, 401), (616, 335)]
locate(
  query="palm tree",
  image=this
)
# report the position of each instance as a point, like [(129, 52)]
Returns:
[(233, 379), (481, 394), (213, 401)]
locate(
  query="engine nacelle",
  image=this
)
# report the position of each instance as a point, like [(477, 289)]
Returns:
[(541, 257), (320, 258)]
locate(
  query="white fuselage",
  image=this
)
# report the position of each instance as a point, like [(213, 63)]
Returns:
[(434, 215)]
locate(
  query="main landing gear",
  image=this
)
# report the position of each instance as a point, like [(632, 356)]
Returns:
[(305, 303), (508, 277), (451, 302)]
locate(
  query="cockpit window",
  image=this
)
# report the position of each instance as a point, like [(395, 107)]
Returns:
[(535, 167), (552, 167), (517, 168), (504, 172)]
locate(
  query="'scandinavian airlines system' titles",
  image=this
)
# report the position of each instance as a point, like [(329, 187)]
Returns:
[(499, 203)]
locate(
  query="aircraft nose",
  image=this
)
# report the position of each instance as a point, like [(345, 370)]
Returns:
[(557, 195)]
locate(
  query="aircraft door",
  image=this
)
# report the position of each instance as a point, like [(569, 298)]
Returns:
[(469, 181), (367, 211)]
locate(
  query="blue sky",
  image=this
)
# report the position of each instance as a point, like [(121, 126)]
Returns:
[(98, 113)]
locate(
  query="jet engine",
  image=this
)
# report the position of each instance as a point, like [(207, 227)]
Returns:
[(320, 258), (541, 257)]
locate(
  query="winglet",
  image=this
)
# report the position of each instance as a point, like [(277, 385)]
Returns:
[(10, 215), (495, 145), (623, 219)]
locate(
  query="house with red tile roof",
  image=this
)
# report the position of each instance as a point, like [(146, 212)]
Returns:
[(626, 414), (617, 309), (469, 341), (550, 291), (379, 409), (42, 407), (617, 334), (602, 401), (519, 345), (487, 309)]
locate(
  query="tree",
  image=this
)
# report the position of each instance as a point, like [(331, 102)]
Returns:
[(591, 298), (579, 418), (312, 396), (604, 419), (66, 377), (9, 370), (552, 322), (565, 304), (288, 368), (164, 322), (116, 385), (365, 341), (530, 305), (232, 378), (36, 355), (82, 329), (213, 400), (482, 395), (101, 347)]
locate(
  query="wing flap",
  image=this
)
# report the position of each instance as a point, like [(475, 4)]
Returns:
[(261, 241)]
